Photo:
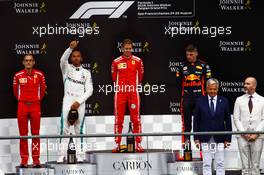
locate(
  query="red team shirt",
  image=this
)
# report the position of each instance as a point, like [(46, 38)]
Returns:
[(29, 87)]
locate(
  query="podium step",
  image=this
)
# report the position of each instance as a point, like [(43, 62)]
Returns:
[(76, 169), (185, 168), (35, 171), (152, 162)]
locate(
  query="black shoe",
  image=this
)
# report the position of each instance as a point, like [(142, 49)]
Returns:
[(23, 166), (37, 166)]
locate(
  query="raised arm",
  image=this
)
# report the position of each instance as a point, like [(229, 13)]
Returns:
[(65, 56)]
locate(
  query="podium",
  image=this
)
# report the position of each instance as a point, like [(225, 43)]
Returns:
[(151, 162)]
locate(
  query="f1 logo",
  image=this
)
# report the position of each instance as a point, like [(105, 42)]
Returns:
[(113, 8)]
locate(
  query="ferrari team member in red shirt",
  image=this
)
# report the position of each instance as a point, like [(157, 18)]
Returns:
[(29, 88), (127, 73)]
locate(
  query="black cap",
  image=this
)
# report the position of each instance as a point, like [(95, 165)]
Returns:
[(73, 116)]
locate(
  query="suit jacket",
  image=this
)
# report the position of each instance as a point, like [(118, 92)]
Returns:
[(204, 121), (246, 121)]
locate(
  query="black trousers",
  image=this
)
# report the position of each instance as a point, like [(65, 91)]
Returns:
[(188, 106)]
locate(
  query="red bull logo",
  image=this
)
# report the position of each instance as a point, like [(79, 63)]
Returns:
[(192, 77)]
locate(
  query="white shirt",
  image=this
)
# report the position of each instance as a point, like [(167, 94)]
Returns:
[(77, 80), (214, 101), (243, 119)]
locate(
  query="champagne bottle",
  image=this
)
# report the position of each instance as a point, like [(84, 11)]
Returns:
[(71, 152), (180, 155), (188, 151), (130, 140)]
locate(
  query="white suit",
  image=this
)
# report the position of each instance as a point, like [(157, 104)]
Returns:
[(250, 152), (77, 87)]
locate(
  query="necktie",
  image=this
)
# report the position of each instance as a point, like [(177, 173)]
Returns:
[(212, 106), (250, 104)]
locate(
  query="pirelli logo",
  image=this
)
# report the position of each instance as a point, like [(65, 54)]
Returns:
[(112, 8)]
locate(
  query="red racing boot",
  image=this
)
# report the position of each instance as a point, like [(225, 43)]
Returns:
[(116, 149), (139, 148)]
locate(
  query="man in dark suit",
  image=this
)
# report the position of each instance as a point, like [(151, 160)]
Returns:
[(212, 114)]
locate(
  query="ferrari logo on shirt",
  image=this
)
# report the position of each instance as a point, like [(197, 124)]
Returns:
[(122, 66), (22, 80), (133, 62), (35, 77)]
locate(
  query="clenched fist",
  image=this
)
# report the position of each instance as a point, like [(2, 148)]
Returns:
[(74, 44), (75, 105)]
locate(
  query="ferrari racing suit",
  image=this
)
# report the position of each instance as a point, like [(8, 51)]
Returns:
[(127, 74)]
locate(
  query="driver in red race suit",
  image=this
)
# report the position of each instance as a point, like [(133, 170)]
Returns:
[(193, 74), (127, 74)]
